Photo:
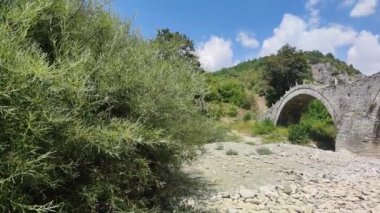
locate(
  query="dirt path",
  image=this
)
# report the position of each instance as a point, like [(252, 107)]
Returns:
[(291, 179)]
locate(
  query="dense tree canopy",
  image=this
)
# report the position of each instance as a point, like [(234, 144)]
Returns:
[(179, 43), (283, 71)]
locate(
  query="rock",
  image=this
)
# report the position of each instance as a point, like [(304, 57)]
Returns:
[(190, 202), (376, 209), (246, 193), (337, 193), (224, 195), (269, 191), (289, 188), (310, 191), (352, 198), (308, 209), (258, 200), (232, 210), (213, 199), (360, 211), (235, 196)]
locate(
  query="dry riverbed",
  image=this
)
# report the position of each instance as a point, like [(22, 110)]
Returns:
[(290, 179)]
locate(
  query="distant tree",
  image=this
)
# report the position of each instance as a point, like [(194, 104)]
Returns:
[(330, 55), (283, 71), (314, 57), (178, 43)]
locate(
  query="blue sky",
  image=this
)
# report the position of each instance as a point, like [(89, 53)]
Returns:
[(226, 32)]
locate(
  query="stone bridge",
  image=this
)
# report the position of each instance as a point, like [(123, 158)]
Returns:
[(354, 108)]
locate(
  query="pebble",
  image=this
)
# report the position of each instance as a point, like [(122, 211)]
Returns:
[(232, 210), (289, 188), (246, 193)]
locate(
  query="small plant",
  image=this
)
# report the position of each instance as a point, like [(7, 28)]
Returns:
[(215, 111), (219, 147), (298, 134), (232, 111), (264, 151), (247, 116), (250, 143), (263, 127), (231, 152), (372, 107)]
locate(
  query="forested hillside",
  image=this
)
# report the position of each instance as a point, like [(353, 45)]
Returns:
[(270, 76)]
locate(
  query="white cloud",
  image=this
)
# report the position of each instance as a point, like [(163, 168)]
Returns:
[(296, 32), (215, 54), (365, 53), (364, 8), (247, 40), (311, 7), (348, 2)]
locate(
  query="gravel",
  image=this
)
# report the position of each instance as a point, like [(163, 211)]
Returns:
[(291, 179)]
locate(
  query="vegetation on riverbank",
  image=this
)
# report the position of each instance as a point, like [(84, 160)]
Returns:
[(93, 117)]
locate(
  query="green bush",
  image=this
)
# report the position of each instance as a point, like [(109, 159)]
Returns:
[(247, 116), (232, 111), (319, 125), (298, 134), (263, 127), (215, 110), (93, 117), (227, 90)]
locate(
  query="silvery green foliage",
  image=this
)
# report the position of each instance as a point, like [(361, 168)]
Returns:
[(92, 118)]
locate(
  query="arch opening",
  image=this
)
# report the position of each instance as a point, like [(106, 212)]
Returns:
[(313, 114)]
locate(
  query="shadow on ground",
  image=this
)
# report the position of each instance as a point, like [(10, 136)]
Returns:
[(183, 190)]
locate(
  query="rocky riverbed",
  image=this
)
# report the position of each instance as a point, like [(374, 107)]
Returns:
[(243, 177)]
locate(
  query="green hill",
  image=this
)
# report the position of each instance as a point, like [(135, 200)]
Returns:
[(269, 76)]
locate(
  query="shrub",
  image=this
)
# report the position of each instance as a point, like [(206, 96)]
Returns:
[(263, 127), (232, 91), (231, 152), (319, 125), (227, 90), (247, 116), (232, 111), (215, 110), (264, 151), (298, 134), (219, 147), (93, 117)]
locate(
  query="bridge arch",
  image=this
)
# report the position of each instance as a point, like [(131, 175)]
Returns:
[(296, 100)]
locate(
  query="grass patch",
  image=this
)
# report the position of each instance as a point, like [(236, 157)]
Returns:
[(231, 152), (263, 127), (264, 151), (239, 126), (251, 143), (280, 134)]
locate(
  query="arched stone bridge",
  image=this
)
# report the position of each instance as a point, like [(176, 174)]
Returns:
[(354, 108)]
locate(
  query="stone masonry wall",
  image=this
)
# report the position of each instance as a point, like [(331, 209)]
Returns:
[(354, 107)]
